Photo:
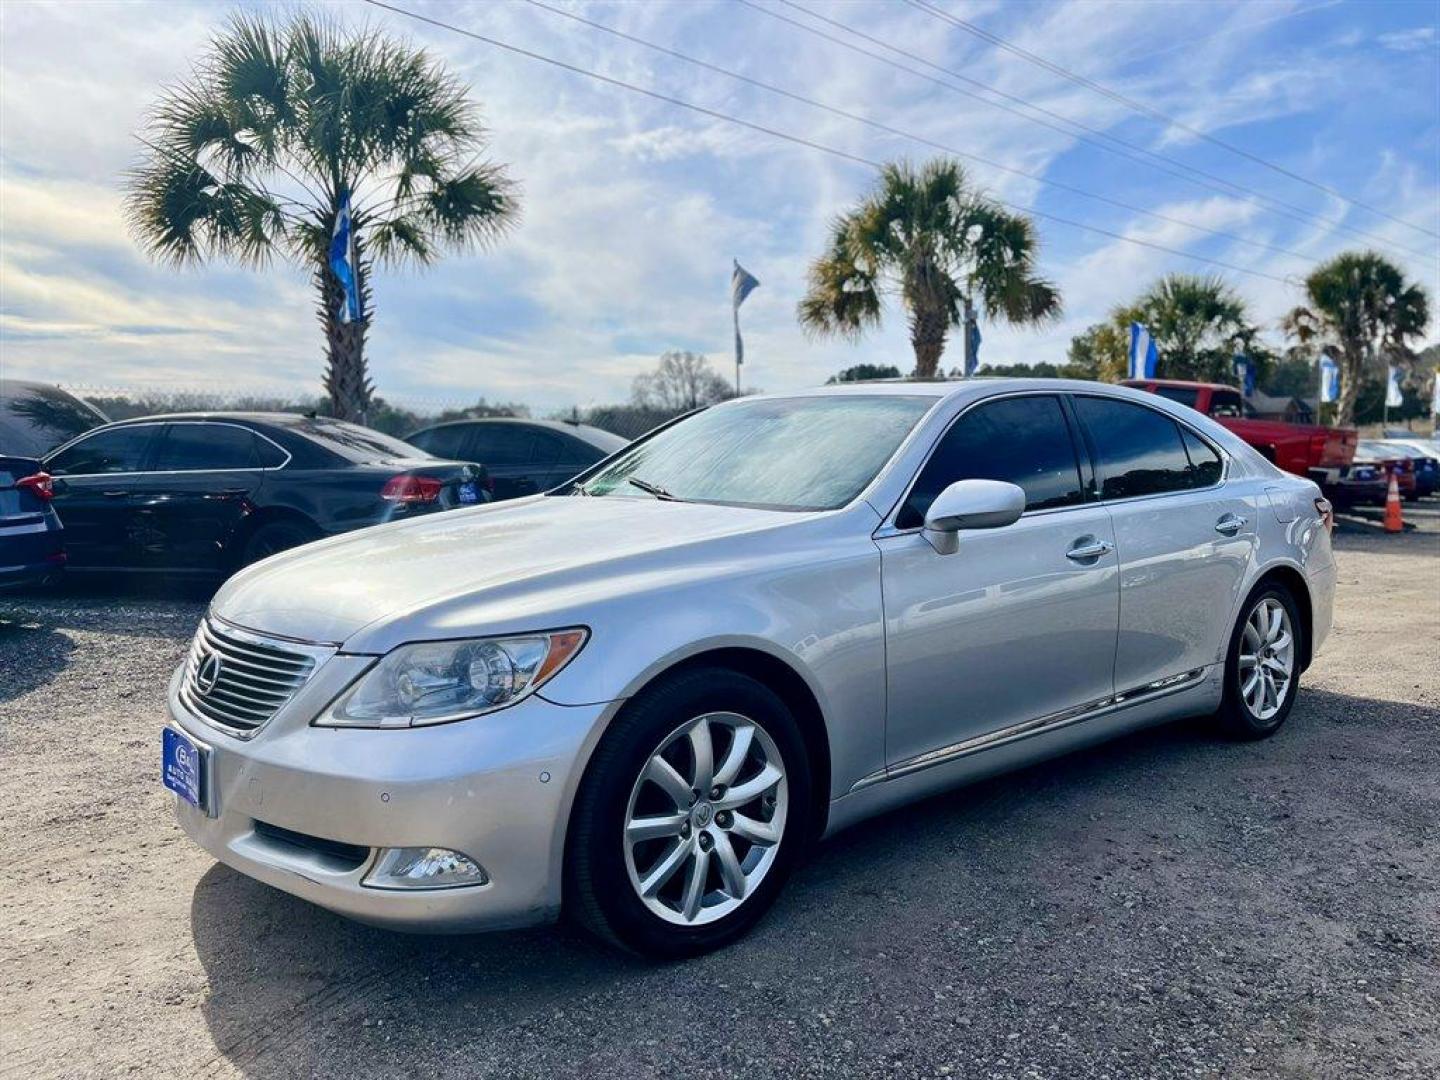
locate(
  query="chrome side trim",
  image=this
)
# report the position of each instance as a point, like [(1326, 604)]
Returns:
[(1038, 726)]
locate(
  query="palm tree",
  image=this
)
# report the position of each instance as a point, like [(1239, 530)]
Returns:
[(1198, 324), (923, 235), (1360, 309), (255, 154)]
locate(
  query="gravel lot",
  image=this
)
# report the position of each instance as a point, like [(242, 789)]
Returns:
[(1167, 905)]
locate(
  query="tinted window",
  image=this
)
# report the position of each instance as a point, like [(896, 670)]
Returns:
[(1205, 466), (115, 451), (547, 448), (1185, 395), (269, 455), (502, 444), (191, 447), (445, 442), (1139, 449), (1226, 403), (36, 419), (805, 453), (1022, 440)]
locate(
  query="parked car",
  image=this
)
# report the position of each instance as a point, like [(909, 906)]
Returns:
[(1425, 458), (1363, 482), (642, 695), (1310, 450), (204, 493), (32, 544), (1396, 462), (523, 456), (36, 418)]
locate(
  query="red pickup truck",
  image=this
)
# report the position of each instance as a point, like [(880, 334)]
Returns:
[(1322, 454)]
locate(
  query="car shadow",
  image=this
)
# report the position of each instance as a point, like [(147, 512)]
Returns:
[(292, 984), (34, 652)]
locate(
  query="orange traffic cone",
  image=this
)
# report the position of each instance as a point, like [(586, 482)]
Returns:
[(1393, 521)]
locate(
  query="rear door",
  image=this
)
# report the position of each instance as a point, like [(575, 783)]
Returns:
[(198, 493), (1016, 625), (95, 478), (1184, 539)]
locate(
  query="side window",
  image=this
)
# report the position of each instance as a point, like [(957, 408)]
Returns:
[(119, 450), (501, 444), (1139, 449), (579, 453), (196, 447), (445, 442), (1205, 465), (1023, 440), (547, 449), (269, 455)]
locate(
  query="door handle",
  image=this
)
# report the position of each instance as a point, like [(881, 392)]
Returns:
[(115, 494), (1089, 548), (1230, 524)]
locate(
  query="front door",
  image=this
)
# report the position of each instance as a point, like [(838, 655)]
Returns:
[(1018, 624), (1184, 539), (94, 485)]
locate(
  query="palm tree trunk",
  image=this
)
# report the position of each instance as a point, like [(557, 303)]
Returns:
[(347, 379), (927, 337), (1352, 366)]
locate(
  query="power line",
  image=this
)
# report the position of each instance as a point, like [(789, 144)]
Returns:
[(1098, 139), (800, 140), (879, 126), (1150, 111)]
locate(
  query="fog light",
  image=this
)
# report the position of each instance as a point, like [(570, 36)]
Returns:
[(424, 868)]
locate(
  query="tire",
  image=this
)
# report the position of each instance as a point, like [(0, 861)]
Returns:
[(744, 850), (274, 537), (1247, 710)]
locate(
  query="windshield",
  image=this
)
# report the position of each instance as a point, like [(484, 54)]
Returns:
[(356, 443), (807, 453)]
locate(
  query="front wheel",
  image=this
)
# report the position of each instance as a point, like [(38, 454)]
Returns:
[(274, 537), (1262, 667), (690, 817)]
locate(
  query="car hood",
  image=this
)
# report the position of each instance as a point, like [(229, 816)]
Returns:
[(508, 552)]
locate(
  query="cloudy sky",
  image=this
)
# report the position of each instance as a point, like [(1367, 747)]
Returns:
[(633, 209)]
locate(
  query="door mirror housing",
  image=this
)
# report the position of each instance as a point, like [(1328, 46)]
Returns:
[(971, 504)]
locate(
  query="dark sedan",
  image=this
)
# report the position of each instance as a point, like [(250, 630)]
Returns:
[(32, 546), (523, 456), (206, 493)]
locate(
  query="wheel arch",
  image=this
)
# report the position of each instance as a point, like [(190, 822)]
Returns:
[(264, 515), (1298, 587)]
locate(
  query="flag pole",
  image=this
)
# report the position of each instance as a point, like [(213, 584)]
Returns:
[(736, 312)]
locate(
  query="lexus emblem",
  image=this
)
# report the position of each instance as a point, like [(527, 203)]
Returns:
[(208, 673)]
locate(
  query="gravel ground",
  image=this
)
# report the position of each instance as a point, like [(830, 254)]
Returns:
[(1167, 905)]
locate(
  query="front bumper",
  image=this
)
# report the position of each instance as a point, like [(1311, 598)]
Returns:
[(497, 788)]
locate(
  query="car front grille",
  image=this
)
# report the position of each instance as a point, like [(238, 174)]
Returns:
[(239, 680)]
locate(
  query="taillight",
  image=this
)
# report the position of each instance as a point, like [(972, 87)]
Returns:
[(40, 484), (411, 489), (1326, 512)]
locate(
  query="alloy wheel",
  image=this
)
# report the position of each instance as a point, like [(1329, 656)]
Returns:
[(705, 818), (1267, 659)]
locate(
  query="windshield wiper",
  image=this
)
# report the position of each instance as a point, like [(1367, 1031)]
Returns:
[(653, 489)]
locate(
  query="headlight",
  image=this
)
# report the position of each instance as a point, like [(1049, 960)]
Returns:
[(437, 681)]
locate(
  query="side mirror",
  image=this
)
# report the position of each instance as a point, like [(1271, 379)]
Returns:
[(971, 504)]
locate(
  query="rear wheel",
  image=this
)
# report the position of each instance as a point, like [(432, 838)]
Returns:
[(1262, 667), (691, 816), (274, 537)]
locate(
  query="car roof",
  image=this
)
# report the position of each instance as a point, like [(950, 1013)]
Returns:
[(943, 389), (585, 431)]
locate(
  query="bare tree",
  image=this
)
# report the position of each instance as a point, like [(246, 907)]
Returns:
[(682, 380)]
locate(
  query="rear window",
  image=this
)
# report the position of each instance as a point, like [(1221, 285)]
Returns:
[(1185, 395), (36, 419), (355, 443)]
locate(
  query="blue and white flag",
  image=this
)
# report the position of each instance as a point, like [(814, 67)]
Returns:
[(1329, 380), (1394, 396), (1144, 358), (972, 360), (1435, 399), (342, 262), (742, 284), (1245, 372)]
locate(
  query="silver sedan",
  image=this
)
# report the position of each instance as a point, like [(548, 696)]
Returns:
[(638, 699)]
